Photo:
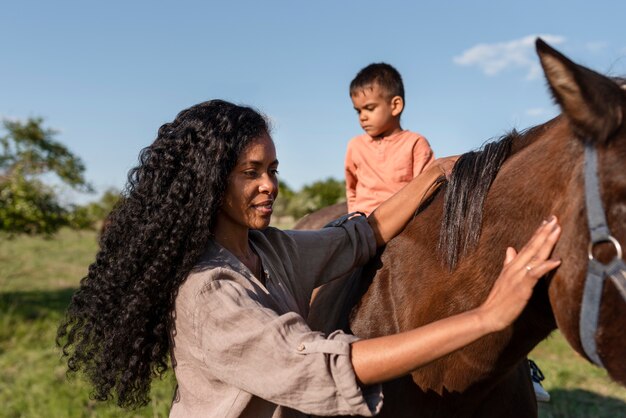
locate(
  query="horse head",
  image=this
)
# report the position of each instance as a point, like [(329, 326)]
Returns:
[(593, 106)]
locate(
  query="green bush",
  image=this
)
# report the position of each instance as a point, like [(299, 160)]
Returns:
[(312, 197), (90, 215), (28, 206)]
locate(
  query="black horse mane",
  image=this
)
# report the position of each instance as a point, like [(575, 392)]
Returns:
[(471, 178)]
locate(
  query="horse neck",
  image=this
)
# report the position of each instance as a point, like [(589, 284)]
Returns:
[(542, 179)]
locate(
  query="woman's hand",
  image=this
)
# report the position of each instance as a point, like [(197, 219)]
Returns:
[(390, 218), (520, 273), (445, 165)]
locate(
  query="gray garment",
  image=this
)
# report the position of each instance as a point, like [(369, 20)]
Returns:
[(241, 349)]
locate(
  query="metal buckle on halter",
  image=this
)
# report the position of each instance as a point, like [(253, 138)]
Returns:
[(611, 239)]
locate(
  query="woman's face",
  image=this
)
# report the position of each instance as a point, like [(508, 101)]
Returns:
[(252, 187)]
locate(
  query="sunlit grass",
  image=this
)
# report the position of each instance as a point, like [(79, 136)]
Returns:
[(28, 262), (577, 388), (37, 279)]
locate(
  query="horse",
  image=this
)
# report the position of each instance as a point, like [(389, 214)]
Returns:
[(449, 255), (321, 217)]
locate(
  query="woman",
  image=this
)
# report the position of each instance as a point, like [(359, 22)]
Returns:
[(189, 267)]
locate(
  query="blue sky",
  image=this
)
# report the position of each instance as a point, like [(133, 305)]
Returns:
[(106, 75)]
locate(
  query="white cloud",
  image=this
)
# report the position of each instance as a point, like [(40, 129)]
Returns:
[(537, 111), (596, 46), (497, 57), (10, 118)]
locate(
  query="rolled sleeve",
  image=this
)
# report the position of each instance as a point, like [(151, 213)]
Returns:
[(278, 357), (344, 376)]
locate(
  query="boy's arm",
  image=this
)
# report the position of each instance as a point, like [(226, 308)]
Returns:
[(423, 156), (351, 179)]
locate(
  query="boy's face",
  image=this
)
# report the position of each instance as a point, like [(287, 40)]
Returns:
[(379, 116)]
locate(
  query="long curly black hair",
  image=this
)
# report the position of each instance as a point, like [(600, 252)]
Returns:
[(117, 327)]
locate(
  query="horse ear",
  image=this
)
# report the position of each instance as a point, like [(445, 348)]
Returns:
[(591, 101)]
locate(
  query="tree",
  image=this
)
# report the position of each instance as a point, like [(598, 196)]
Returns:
[(28, 150), (29, 206)]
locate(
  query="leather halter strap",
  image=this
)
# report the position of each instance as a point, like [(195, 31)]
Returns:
[(597, 272)]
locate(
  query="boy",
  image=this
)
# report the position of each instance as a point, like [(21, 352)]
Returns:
[(384, 159)]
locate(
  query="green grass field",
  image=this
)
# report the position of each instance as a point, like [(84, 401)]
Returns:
[(38, 276)]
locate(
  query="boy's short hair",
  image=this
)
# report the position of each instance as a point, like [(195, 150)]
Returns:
[(383, 74)]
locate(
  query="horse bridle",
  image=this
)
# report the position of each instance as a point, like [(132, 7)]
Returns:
[(597, 271)]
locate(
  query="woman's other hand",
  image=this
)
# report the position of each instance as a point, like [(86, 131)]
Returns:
[(520, 273)]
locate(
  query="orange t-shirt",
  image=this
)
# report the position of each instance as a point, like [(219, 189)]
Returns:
[(378, 168)]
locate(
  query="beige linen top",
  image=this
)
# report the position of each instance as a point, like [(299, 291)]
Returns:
[(241, 349)]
